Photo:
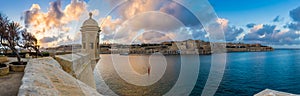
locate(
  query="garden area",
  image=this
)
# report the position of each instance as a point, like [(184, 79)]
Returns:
[(14, 39), (17, 46)]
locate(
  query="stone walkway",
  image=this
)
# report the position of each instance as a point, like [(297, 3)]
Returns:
[(9, 84)]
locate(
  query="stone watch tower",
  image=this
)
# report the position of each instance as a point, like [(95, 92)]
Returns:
[(90, 39)]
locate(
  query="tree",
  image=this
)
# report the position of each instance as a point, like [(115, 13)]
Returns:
[(3, 28), (11, 38), (29, 41)]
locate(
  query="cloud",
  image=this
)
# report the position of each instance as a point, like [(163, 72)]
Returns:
[(55, 20), (266, 29), (181, 13), (257, 27), (148, 22), (294, 26), (294, 14), (286, 37), (290, 32), (260, 32), (55, 17), (223, 22), (192, 27), (168, 17), (55, 9), (109, 25), (134, 7), (251, 25), (154, 37), (231, 32), (277, 19), (269, 34), (74, 10), (48, 39)]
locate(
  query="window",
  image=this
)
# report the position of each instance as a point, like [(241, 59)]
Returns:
[(83, 45), (92, 45)]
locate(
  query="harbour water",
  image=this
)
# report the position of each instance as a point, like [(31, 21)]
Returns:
[(245, 74)]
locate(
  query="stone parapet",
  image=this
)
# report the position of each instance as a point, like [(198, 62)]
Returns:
[(269, 92), (79, 66), (45, 77)]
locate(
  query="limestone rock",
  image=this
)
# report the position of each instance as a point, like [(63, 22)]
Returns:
[(45, 77), (66, 62), (79, 66)]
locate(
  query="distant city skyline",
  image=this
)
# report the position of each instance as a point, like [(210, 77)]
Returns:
[(270, 22)]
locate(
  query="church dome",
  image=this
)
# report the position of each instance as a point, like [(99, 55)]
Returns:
[(90, 21)]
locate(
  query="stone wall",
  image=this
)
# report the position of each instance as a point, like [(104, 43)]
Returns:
[(79, 66), (3, 59), (269, 92), (45, 77)]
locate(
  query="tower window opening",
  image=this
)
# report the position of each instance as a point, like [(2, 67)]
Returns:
[(83, 45), (92, 45)]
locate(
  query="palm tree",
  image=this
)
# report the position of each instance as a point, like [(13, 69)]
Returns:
[(29, 41), (3, 28), (12, 37)]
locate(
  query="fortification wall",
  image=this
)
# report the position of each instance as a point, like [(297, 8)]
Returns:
[(45, 77), (79, 66)]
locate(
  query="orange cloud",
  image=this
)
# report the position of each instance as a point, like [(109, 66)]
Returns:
[(131, 11), (73, 11), (42, 24), (109, 25), (257, 27), (223, 22)]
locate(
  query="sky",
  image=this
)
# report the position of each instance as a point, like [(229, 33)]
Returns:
[(241, 12), (55, 22)]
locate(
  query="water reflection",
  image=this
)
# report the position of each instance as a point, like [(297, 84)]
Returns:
[(139, 65), (246, 73)]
